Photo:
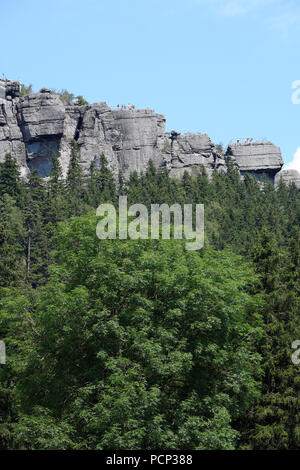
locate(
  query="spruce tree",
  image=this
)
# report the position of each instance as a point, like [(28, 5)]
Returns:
[(10, 182), (12, 243), (101, 185), (275, 417), (74, 182), (37, 242)]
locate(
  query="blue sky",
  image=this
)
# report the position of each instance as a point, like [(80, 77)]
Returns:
[(223, 67)]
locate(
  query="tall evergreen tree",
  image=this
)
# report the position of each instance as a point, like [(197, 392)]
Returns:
[(275, 417), (101, 186), (10, 182), (74, 181), (56, 209), (37, 241), (12, 243)]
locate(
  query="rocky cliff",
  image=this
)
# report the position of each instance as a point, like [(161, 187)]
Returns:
[(257, 158), (34, 127)]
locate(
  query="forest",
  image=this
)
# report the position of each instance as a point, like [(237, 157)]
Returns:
[(141, 344)]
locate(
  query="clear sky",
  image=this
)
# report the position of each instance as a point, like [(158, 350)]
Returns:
[(222, 67)]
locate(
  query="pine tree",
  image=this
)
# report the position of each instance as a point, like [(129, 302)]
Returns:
[(10, 182), (275, 419), (12, 243), (74, 182), (37, 242), (101, 185), (55, 176), (56, 209), (121, 184)]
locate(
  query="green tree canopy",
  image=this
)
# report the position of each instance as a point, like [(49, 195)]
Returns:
[(146, 346)]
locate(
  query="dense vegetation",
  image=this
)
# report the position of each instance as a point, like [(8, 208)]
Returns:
[(120, 344)]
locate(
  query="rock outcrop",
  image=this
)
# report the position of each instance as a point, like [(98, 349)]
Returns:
[(189, 153), (288, 177), (256, 158), (41, 119), (36, 126), (11, 138)]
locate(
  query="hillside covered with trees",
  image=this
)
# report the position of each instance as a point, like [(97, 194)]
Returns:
[(122, 344)]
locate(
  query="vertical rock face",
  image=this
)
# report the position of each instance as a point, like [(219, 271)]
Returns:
[(127, 138), (256, 158), (36, 126), (41, 119), (9, 88), (11, 138), (288, 177), (190, 153)]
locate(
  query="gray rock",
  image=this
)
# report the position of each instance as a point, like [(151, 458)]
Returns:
[(11, 138), (11, 88), (41, 119), (45, 90), (40, 115), (257, 158), (288, 177), (190, 153), (2, 92), (38, 125)]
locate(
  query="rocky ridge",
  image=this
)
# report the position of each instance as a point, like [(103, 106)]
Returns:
[(35, 126)]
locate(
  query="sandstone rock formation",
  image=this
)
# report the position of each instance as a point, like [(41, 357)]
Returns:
[(288, 177), (34, 127), (11, 138), (41, 119), (190, 152), (256, 158)]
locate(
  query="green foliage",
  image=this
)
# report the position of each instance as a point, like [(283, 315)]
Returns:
[(74, 181), (80, 101), (10, 182), (37, 252), (66, 97), (143, 345), (26, 90), (136, 336), (101, 185), (220, 148), (275, 417), (12, 237)]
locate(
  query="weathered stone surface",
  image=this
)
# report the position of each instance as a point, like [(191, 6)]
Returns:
[(288, 177), (11, 89), (72, 121), (190, 153), (127, 138), (38, 125), (11, 138), (136, 137), (256, 158), (41, 119), (2, 92), (40, 115)]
